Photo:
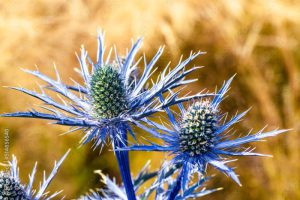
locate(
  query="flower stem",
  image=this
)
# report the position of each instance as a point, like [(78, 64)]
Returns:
[(123, 162), (177, 187)]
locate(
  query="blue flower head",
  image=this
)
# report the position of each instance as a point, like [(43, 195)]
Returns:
[(161, 187), (12, 188), (113, 96), (201, 135)]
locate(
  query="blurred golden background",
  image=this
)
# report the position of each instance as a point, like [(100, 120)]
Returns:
[(258, 40)]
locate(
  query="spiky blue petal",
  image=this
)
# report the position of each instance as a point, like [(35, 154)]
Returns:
[(250, 138), (47, 180)]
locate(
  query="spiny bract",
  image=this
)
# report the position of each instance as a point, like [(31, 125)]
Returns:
[(108, 92), (11, 189), (197, 128)]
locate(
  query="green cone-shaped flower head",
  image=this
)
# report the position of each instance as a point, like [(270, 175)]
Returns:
[(197, 128), (108, 92), (11, 189)]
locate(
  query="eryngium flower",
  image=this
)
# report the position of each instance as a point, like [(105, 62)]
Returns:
[(161, 187), (111, 99), (113, 191), (11, 187), (113, 96), (200, 136)]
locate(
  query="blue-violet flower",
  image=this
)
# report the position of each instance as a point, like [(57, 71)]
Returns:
[(201, 136), (12, 188)]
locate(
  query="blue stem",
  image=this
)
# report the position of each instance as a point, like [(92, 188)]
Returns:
[(177, 187), (123, 162)]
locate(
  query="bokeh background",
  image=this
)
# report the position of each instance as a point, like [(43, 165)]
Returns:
[(258, 40)]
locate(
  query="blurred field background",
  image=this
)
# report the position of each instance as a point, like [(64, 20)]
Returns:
[(258, 40)]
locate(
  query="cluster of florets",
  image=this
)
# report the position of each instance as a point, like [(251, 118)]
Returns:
[(108, 92), (11, 189), (198, 126)]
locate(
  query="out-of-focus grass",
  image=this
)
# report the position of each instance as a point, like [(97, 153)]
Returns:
[(258, 40)]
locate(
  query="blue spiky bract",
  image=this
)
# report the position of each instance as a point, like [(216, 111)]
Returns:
[(161, 187), (200, 137), (111, 99), (12, 188)]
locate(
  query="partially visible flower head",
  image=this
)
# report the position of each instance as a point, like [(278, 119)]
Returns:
[(201, 135), (197, 128), (161, 186), (11, 187), (114, 191)]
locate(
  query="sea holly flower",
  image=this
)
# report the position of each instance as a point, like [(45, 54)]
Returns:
[(161, 186), (165, 184), (201, 135), (11, 186), (112, 99), (114, 191)]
